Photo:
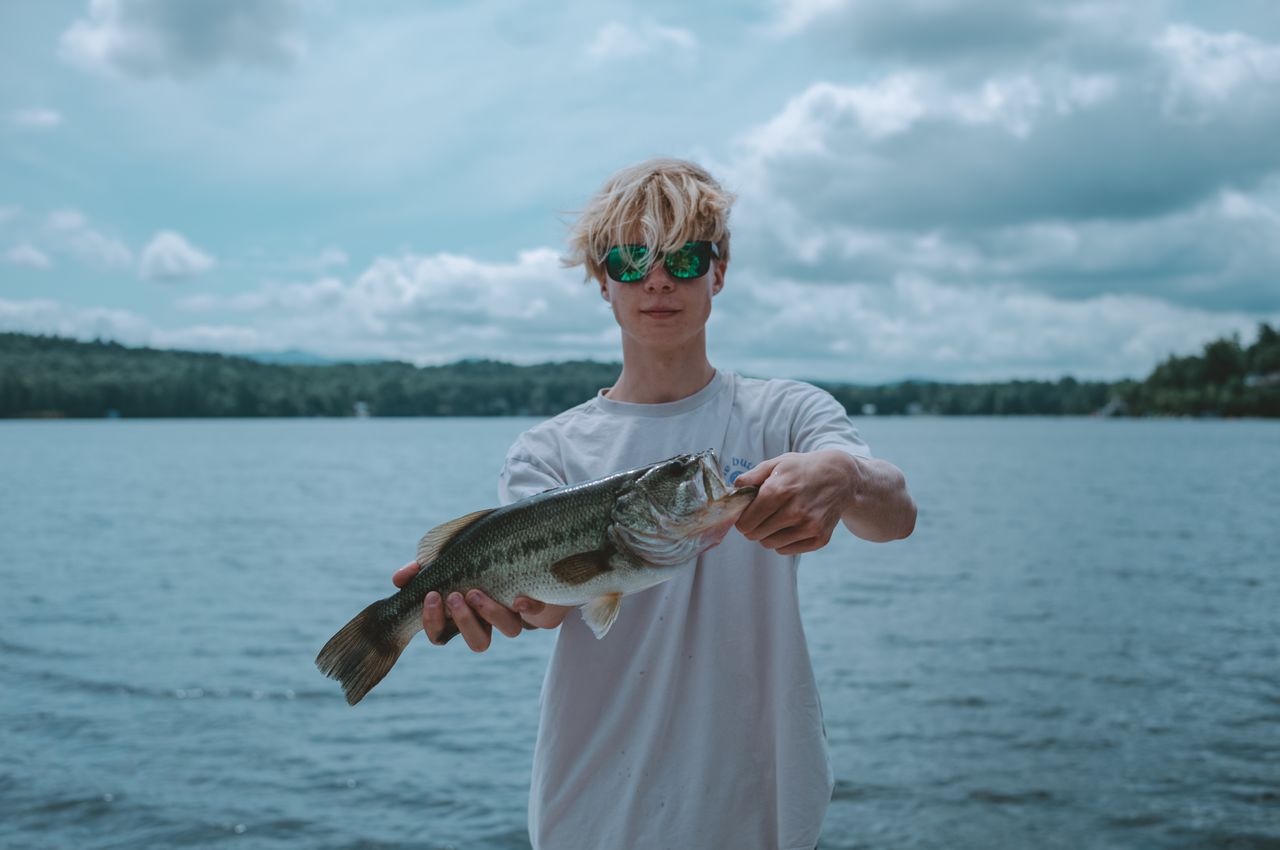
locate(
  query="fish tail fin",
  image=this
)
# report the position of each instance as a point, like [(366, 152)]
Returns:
[(362, 652)]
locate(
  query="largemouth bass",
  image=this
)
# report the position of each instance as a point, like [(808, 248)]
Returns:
[(584, 544)]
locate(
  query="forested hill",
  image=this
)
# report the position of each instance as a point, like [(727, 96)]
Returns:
[(42, 376), (52, 376)]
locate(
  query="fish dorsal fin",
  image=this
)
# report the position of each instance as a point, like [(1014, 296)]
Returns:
[(582, 567), (435, 539), (600, 613)]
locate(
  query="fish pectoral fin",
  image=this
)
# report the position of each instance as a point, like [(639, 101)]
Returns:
[(582, 567), (434, 540), (600, 613)]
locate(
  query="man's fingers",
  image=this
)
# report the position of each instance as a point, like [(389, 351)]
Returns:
[(756, 513), (402, 575), (476, 632), (809, 544), (433, 618), (784, 538), (764, 526), (502, 618)]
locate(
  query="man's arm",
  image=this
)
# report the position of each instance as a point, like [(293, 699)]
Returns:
[(803, 496)]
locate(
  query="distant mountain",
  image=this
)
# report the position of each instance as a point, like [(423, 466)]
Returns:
[(289, 357)]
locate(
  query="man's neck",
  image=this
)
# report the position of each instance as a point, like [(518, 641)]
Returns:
[(650, 377)]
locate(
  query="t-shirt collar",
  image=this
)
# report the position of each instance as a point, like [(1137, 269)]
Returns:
[(667, 408)]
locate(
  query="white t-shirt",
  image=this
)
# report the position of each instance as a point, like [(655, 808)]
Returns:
[(695, 722)]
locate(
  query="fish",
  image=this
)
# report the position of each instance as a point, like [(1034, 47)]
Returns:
[(584, 545)]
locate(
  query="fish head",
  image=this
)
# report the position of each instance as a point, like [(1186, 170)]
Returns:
[(679, 508)]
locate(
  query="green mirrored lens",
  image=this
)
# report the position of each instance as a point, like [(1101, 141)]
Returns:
[(627, 263), (690, 261)]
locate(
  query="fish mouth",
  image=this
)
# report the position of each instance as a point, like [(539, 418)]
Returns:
[(699, 514), (721, 504)]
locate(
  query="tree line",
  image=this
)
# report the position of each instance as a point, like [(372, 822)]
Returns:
[(58, 377)]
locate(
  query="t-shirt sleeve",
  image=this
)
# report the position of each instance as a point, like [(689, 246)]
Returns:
[(821, 422), (526, 474)]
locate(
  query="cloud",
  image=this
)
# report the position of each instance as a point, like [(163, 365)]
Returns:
[(1207, 69), (157, 38), (36, 118), (431, 309), (616, 42), (69, 231), (968, 34), (919, 327), (918, 151), (1221, 254), (331, 257), (1163, 180), (8, 212), (440, 308), (28, 255), (170, 257), (46, 316)]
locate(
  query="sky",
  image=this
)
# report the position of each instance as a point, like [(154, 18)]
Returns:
[(946, 189)]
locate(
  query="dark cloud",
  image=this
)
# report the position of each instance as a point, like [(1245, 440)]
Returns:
[(1127, 158), (1221, 255), (148, 38), (1161, 180), (946, 30)]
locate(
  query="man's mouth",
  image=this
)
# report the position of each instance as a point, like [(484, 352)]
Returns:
[(660, 311)]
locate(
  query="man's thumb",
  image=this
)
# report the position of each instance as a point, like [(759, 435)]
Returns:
[(755, 476), (402, 575)]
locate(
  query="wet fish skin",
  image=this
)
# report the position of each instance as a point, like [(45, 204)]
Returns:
[(585, 544)]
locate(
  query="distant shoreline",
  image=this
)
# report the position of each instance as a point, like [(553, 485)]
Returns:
[(49, 377)]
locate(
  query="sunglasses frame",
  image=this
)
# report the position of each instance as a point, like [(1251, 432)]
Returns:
[(709, 252)]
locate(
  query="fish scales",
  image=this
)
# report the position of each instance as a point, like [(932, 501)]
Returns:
[(586, 544), (505, 554)]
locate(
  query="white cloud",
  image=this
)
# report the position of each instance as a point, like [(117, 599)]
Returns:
[(28, 255), (432, 286), (151, 38), (331, 257), (1214, 254), (170, 257), (1207, 68), (36, 118), (796, 15), (51, 317), (67, 219), (432, 309), (919, 327), (1076, 182), (421, 308), (439, 308), (69, 230), (8, 212), (615, 42)]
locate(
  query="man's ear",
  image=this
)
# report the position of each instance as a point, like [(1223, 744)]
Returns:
[(717, 283), (604, 288)]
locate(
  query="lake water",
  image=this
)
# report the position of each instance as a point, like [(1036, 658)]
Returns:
[(1078, 648)]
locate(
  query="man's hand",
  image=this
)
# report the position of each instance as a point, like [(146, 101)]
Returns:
[(801, 498), (476, 615)]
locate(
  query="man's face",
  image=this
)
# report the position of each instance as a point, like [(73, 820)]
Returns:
[(662, 313)]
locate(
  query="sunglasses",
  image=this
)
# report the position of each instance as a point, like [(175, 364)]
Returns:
[(630, 263)]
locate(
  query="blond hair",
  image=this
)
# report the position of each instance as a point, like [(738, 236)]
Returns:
[(660, 203)]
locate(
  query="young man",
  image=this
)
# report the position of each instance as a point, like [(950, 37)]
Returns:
[(695, 722)]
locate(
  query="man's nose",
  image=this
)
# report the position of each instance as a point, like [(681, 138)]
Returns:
[(658, 280)]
